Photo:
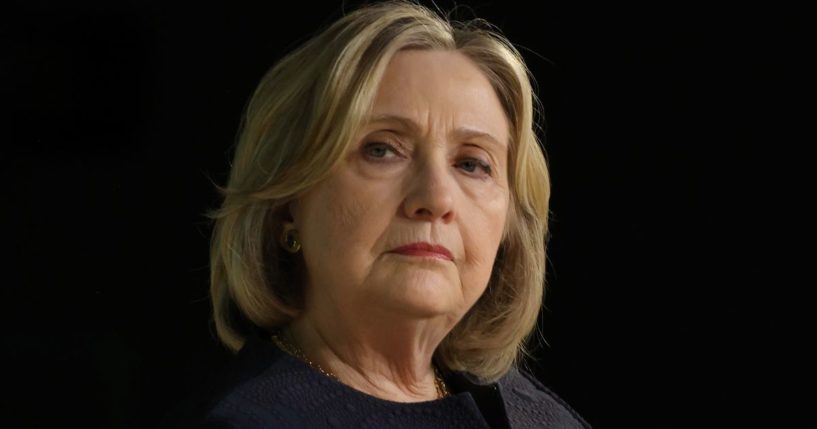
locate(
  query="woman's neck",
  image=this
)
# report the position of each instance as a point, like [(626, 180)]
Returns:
[(386, 360)]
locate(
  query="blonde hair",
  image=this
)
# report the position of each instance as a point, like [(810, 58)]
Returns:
[(303, 115)]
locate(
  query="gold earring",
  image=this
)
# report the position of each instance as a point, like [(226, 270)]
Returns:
[(289, 240)]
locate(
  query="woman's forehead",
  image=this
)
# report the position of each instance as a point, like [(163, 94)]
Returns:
[(421, 89)]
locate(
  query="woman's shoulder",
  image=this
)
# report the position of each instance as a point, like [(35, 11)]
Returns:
[(268, 388), (262, 387), (229, 390), (528, 402)]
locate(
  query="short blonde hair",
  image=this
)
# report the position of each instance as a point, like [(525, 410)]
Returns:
[(304, 114)]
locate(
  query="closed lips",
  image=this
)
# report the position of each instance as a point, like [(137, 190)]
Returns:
[(424, 249)]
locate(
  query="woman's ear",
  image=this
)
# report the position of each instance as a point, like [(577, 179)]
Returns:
[(289, 227), (288, 213)]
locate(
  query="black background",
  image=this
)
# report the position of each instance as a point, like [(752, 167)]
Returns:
[(662, 305)]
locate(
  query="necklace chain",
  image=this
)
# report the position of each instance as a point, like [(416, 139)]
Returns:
[(284, 344), (294, 350)]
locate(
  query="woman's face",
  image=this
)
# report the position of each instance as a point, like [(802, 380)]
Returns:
[(429, 167)]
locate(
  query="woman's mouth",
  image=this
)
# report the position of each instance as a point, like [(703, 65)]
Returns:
[(424, 249)]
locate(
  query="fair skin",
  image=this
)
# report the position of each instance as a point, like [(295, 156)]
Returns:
[(431, 166)]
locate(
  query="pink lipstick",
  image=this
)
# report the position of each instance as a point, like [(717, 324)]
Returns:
[(424, 249)]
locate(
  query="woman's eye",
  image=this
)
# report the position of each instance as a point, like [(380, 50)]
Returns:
[(471, 164), (378, 150)]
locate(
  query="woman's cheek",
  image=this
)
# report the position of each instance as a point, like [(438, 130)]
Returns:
[(483, 231), (357, 203)]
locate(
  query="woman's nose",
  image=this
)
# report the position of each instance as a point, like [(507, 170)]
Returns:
[(430, 191)]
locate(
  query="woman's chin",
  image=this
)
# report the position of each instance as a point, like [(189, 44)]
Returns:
[(425, 295), (424, 308)]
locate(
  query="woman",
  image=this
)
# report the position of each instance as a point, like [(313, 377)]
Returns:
[(379, 257)]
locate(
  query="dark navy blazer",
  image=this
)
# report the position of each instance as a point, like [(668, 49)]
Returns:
[(264, 387)]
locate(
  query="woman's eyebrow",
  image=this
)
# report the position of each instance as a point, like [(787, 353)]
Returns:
[(461, 133), (406, 123), (465, 133)]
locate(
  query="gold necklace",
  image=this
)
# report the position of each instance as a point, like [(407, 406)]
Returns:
[(284, 344)]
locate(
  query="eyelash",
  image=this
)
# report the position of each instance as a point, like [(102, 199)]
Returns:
[(484, 166), (387, 146), (479, 163)]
